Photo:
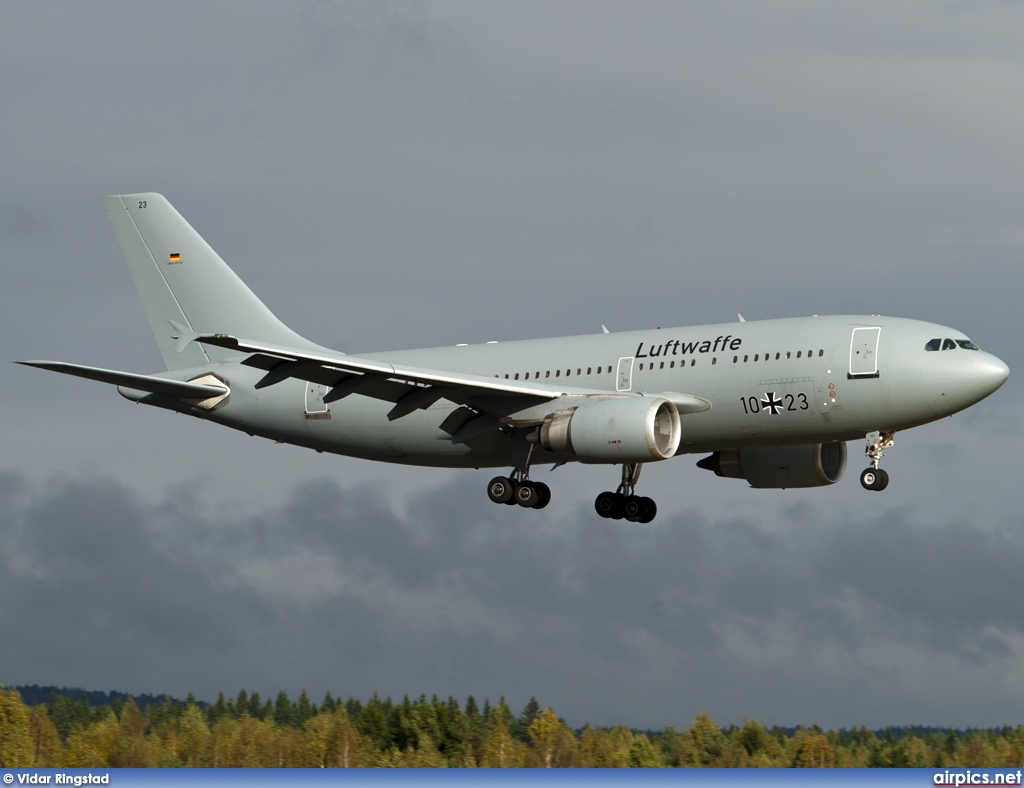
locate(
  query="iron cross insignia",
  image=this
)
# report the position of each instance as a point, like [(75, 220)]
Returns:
[(771, 404)]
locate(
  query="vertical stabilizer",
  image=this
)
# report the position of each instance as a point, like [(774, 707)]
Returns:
[(186, 288)]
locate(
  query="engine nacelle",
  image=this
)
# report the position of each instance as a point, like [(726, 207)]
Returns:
[(620, 429), (781, 466)]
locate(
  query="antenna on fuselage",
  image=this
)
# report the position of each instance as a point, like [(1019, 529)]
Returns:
[(742, 319)]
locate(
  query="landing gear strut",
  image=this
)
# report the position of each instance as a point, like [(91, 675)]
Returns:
[(624, 502), (874, 478)]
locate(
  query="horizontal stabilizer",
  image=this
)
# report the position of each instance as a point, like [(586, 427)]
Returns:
[(151, 383)]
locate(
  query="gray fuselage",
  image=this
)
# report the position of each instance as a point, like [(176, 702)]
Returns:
[(769, 383)]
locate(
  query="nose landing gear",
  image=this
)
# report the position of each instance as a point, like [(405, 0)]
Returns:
[(624, 503), (874, 478)]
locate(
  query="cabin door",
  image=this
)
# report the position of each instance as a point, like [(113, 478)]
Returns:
[(864, 352), (624, 380)]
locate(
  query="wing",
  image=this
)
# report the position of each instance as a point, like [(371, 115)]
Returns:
[(410, 388)]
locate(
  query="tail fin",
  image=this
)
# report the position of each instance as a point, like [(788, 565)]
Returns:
[(186, 288)]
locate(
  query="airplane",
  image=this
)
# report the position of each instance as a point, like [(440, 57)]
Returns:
[(772, 402)]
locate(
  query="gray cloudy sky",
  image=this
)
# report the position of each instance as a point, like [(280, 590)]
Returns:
[(389, 175)]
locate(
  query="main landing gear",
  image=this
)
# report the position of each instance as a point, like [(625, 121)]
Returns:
[(874, 478), (624, 502), (518, 489)]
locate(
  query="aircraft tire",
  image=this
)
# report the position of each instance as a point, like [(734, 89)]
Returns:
[(874, 479), (500, 489), (652, 510), (543, 493), (527, 495), (608, 504), (635, 508)]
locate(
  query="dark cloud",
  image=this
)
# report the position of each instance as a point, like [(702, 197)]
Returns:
[(336, 590)]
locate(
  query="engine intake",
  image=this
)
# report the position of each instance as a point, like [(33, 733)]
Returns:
[(778, 467), (621, 429)]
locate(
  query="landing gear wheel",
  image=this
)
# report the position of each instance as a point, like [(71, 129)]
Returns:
[(652, 510), (635, 508), (527, 495), (874, 479), (500, 489), (543, 494), (612, 505)]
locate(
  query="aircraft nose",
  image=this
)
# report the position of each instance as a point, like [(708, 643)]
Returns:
[(990, 373)]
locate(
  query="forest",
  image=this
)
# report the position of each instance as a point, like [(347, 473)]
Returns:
[(68, 731)]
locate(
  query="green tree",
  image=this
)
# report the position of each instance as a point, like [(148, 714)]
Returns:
[(815, 752), (46, 747), (501, 749), (643, 755), (194, 737), (552, 740), (130, 749), (531, 711), (702, 744), (284, 710), (15, 735)]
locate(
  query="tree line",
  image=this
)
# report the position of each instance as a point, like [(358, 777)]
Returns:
[(68, 732)]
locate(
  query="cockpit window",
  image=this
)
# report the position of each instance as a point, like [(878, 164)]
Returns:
[(948, 344), (966, 344), (933, 344)]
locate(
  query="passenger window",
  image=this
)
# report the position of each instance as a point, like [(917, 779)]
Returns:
[(588, 370), (547, 373), (714, 360), (558, 373), (745, 359), (948, 344), (756, 356), (527, 376), (517, 376), (661, 365), (778, 356), (798, 353), (693, 362), (933, 344)]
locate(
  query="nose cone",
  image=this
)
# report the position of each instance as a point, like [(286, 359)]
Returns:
[(989, 373), (962, 378)]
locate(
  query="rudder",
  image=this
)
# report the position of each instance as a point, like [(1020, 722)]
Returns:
[(185, 286)]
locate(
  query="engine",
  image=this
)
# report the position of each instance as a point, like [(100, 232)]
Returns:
[(620, 429), (781, 466)]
